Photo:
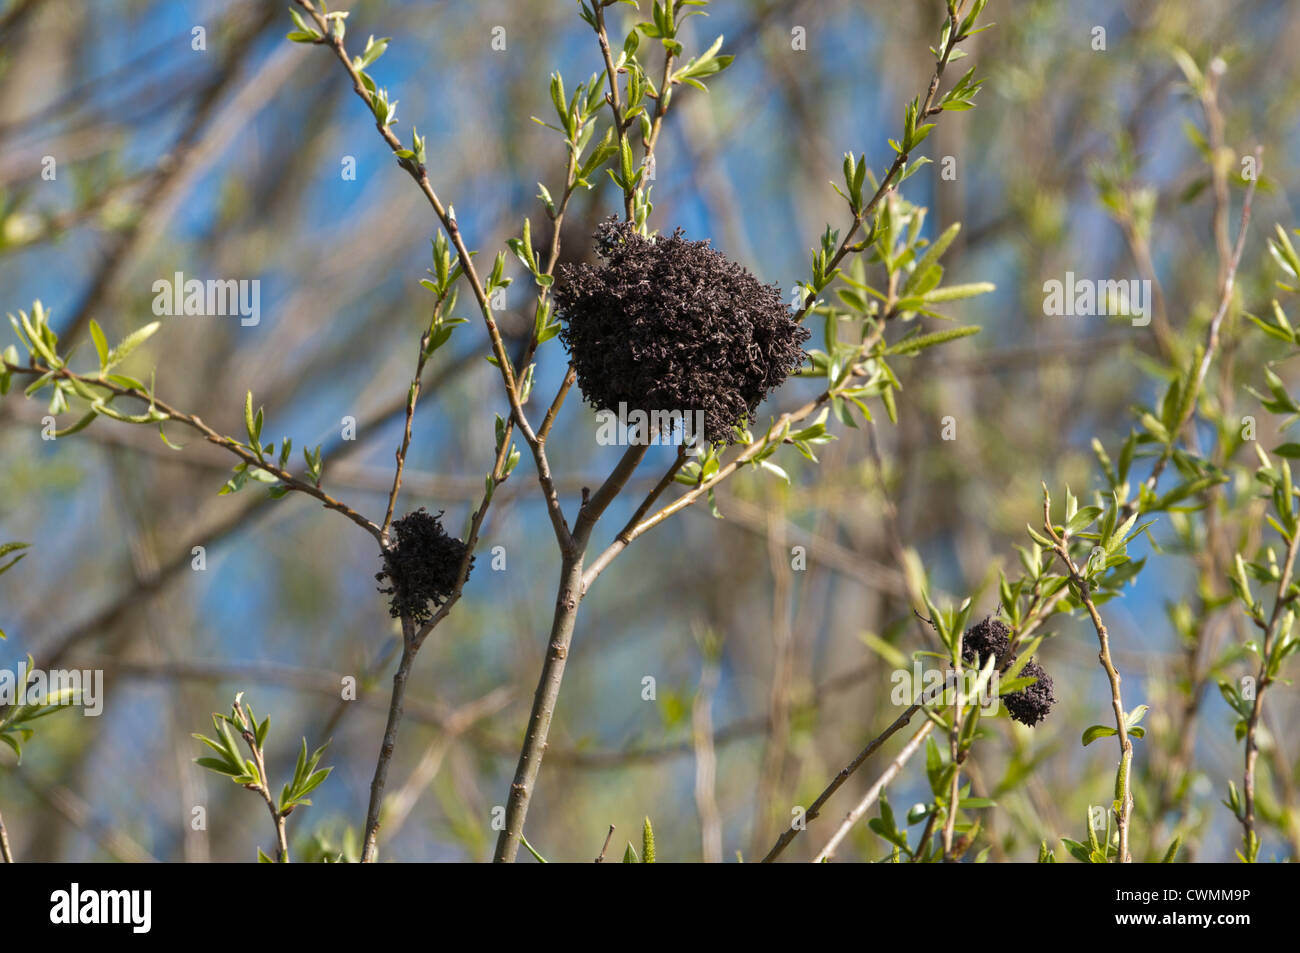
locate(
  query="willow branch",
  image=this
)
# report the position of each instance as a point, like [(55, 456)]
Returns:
[(380, 778), (504, 364), (1123, 779), (1262, 681), (6, 855), (873, 793), (195, 423)]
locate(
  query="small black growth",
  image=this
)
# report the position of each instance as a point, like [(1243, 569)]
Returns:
[(421, 566), (991, 637), (667, 324)]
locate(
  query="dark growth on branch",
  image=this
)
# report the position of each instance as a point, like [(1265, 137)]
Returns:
[(421, 566), (1031, 704), (667, 324)]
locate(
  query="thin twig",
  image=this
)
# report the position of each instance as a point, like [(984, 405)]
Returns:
[(194, 422), (6, 855), (614, 98), (412, 396), (1262, 681), (895, 766), (504, 364), (847, 245), (628, 532), (263, 785), (600, 858), (845, 773), (568, 597), (380, 778), (1123, 779), (954, 748), (403, 802)]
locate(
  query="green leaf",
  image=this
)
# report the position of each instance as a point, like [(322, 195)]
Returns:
[(374, 50), (79, 426), (1097, 731), (6, 549), (1082, 519), (101, 343), (213, 764)]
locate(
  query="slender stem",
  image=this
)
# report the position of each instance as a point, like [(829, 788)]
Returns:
[(263, 785), (1123, 778), (1262, 681), (651, 139), (194, 422), (6, 855), (504, 364), (614, 98), (380, 779), (593, 507), (568, 597), (922, 845), (845, 773), (412, 395), (544, 699), (887, 184), (628, 532), (544, 431), (873, 793), (954, 788), (600, 858)]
